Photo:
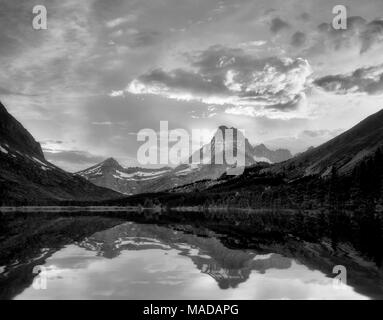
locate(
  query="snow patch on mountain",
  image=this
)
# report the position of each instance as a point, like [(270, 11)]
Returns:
[(123, 175), (3, 150), (261, 159), (151, 174)]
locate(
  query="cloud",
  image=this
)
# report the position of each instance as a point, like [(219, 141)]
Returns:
[(116, 93), (359, 31), (134, 38), (372, 34), (296, 108), (121, 20), (8, 45), (4, 91), (328, 134), (46, 61), (298, 39), (50, 142), (102, 123), (225, 76), (353, 23), (305, 16), (277, 24), (363, 80)]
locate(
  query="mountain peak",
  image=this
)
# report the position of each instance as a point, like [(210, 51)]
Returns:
[(275, 156), (223, 127), (111, 162), (261, 147), (220, 134)]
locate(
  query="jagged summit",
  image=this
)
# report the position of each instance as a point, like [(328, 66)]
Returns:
[(222, 130), (223, 127), (110, 174), (111, 162), (231, 136), (274, 156), (262, 147)]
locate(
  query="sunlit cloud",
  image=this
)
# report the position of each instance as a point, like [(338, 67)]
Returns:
[(367, 80), (116, 93), (121, 20), (224, 76)]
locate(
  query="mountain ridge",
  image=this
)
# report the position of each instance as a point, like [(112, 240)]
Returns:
[(351, 156), (212, 163), (27, 177), (13, 133), (341, 153)]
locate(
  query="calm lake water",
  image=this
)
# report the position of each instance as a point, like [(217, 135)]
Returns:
[(146, 261)]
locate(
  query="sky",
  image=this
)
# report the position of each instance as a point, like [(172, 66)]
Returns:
[(104, 70)]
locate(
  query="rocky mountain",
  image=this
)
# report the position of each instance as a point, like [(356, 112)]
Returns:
[(26, 176), (209, 162), (225, 142), (262, 153), (110, 174), (12, 133), (342, 153)]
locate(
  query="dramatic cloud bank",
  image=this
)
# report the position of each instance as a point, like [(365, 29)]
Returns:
[(226, 76), (104, 70)]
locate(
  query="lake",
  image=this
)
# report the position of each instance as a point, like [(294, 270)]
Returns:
[(85, 257)]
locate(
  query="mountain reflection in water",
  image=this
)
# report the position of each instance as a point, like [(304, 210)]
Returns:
[(146, 261)]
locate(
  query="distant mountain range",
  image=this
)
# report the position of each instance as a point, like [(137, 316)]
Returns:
[(27, 177), (354, 155), (110, 174)]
